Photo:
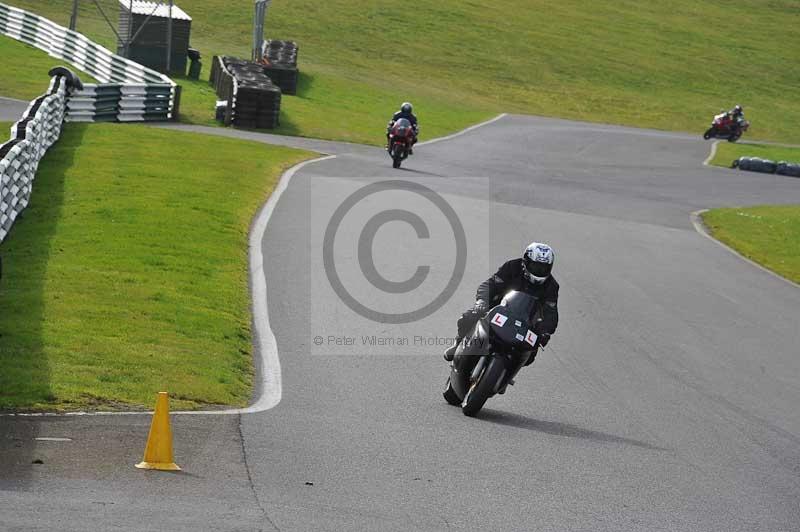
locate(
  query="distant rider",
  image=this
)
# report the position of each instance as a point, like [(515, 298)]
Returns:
[(406, 111), (736, 115), (530, 274)]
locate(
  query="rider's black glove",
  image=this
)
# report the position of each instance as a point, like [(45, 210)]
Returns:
[(480, 307)]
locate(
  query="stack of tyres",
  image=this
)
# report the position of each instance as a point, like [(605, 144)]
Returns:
[(258, 99), (790, 169), (281, 52), (742, 163), (280, 64), (763, 165), (756, 164), (221, 79)]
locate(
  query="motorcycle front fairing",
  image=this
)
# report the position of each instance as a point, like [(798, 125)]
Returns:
[(468, 353), (402, 129), (504, 332)]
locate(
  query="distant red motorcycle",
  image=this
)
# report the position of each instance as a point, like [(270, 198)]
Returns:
[(725, 126), (401, 139)]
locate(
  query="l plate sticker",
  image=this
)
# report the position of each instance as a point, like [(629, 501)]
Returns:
[(499, 320), (531, 338)]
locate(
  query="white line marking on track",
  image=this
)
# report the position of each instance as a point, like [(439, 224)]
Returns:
[(14, 100), (463, 131), (712, 154), (53, 439), (700, 227)]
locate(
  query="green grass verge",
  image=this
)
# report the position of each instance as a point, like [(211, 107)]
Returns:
[(728, 152), (668, 65), (128, 272), (769, 235), (25, 70)]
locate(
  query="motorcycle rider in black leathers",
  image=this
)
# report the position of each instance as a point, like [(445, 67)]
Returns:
[(530, 274), (406, 111), (737, 115)]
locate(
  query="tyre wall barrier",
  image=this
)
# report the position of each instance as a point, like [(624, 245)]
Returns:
[(31, 137), (225, 86), (253, 100), (280, 64), (787, 168), (134, 92), (757, 164)]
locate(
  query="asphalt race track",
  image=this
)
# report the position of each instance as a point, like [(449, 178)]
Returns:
[(667, 400), (11, 110)]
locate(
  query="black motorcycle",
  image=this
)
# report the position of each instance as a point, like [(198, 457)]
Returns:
[(487, 360)]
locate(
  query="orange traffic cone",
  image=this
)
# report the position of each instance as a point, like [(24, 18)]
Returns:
[(158, 453)]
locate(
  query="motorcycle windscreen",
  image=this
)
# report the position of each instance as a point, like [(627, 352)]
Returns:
[(401, 127), (510, 320), (519, 304)]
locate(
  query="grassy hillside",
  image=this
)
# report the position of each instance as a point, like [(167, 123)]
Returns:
[(103, 302), (667, 65), (25, 69)]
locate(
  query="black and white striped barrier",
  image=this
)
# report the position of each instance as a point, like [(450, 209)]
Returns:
[(144, 94), (111, 102), (31, 137)]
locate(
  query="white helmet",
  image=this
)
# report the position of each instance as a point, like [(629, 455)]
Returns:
[(537, 262)]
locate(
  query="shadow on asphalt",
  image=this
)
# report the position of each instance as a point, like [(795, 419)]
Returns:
[(26, 379), (559, 429), (420, 172), (18, 452)]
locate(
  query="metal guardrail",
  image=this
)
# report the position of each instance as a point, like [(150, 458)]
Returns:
[(31, 137), (135, 92)]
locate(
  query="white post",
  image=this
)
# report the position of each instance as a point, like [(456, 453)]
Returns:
[(169, 39), (258, 27), (73, 20)]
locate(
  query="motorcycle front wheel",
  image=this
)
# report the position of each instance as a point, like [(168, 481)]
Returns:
[(709, 133), (450, 394), (397, 155), (483, 387)]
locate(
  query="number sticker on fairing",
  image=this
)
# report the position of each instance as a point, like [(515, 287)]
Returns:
[(531, 338), (499, 320)]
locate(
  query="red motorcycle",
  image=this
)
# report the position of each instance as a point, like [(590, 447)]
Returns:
[(725, 126), (401, 139)]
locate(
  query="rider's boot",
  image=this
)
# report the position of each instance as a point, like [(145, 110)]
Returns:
[(450, 352)]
